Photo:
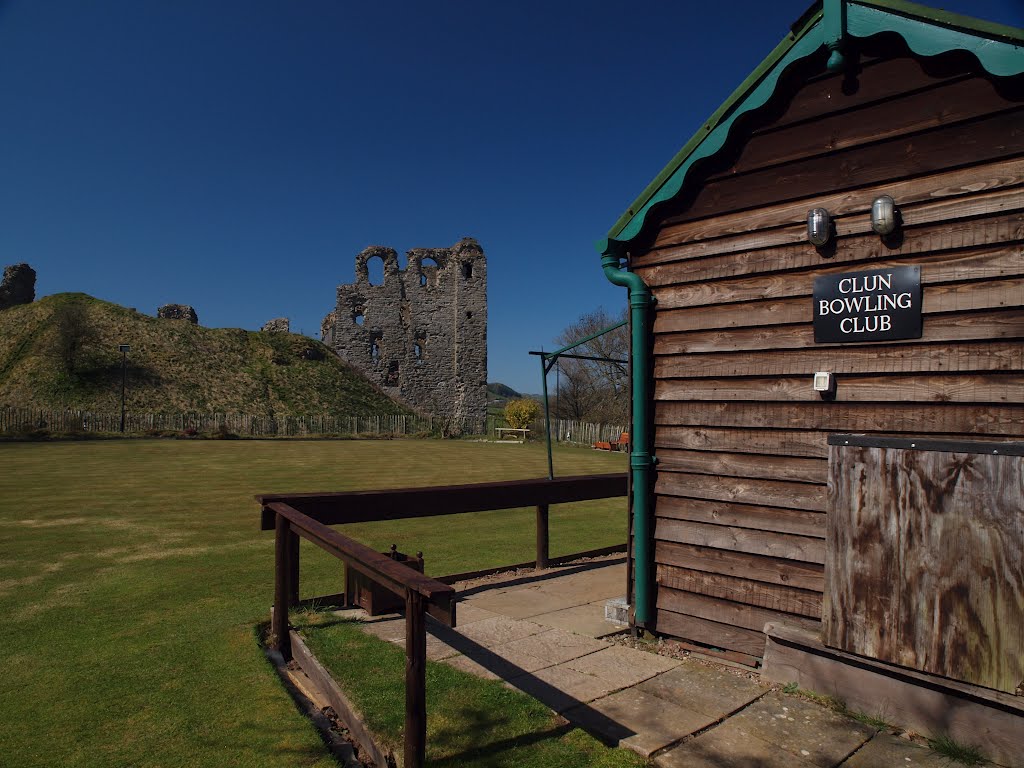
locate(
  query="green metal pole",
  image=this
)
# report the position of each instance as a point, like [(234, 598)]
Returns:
[(547, 414), (640, 459)]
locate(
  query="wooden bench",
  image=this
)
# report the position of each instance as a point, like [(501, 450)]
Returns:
[(516, 433)]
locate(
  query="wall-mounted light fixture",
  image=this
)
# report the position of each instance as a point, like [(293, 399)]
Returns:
[(825, 385), (884, 216), (819, 227)]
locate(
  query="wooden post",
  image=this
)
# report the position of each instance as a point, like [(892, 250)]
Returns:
[(293, 568), (415, 680), (542, 536), (282, 588)]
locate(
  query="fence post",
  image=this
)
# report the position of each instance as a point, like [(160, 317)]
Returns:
[(542, 536), (282, 588), (415, 680), (293, 568)]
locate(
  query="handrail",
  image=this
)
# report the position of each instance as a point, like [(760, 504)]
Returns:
[(309, 514), (403, 503), (389, 573)]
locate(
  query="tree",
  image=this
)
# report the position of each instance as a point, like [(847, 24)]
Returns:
[(595, 390), (520, 413), (75, 334)]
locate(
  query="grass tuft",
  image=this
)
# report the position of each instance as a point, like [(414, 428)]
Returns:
[(965, 754)]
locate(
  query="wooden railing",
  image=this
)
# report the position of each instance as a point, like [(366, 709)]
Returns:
[(309, 514)]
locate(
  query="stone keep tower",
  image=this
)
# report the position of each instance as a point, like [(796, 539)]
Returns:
[(421, 334)]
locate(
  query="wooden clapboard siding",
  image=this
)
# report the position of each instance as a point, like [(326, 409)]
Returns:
[(943, 185), (967, 326), (851, 417), (798, 521), (958, 388), (951, 297), (740, 436)]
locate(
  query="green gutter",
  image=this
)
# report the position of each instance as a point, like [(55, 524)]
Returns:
[(640, 459)]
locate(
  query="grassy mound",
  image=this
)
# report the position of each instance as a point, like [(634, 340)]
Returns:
[(62, 352)]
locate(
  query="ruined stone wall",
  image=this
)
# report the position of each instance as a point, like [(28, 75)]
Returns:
[(18, 286), (422, 333)]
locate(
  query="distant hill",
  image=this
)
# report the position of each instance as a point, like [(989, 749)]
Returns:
[(500, 391), (62, 351)]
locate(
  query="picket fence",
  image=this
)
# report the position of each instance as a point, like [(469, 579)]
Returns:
[(18, 419)]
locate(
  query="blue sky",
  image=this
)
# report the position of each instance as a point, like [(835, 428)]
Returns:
[(236, 155)]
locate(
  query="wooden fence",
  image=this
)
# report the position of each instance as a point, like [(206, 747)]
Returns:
[(69, 420)]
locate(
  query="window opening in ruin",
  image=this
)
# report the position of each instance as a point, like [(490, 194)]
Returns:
[(375, 269), (417, 352), (375, 351), (469, 315), (358, 318), (392, 379), (467, 270), (428, 266)]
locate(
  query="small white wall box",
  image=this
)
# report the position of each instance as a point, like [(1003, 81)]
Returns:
[(824, 382)]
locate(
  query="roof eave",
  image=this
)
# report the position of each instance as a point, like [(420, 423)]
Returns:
[(998, 48)]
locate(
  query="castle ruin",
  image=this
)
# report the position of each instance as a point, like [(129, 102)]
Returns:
[(421, 335)]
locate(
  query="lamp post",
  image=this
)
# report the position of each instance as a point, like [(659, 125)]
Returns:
[(124, 349)]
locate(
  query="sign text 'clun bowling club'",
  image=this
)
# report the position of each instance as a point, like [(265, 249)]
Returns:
[(874, 305)]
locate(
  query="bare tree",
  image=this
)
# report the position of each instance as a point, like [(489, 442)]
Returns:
[(75, 334), (595, 389)]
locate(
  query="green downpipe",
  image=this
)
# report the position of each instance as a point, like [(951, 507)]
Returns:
[(640, 459)]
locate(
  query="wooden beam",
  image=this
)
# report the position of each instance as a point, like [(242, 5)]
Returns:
[(404, 503)]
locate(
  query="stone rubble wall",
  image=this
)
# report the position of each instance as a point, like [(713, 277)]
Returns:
[(422, 334), (277, 325), (18, 286), (178, 312)]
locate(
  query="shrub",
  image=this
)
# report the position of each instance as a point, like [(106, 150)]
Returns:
[(520, 413)]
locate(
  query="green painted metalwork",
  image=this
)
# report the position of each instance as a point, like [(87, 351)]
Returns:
[(641, 462), (548, 360), (927, 32), (834, 30)]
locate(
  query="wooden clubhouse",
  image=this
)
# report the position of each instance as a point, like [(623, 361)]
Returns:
[(827, 303)]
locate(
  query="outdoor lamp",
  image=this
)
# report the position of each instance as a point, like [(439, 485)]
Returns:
[(819, 227), (883, 215)]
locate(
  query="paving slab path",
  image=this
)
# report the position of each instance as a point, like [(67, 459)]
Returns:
[(545, 634)]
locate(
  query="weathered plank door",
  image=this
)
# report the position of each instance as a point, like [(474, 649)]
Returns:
[(924, 563)]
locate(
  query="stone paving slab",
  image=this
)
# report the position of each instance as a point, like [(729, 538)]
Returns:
[(604, 583), (499, 630), (637, 721), (561, 688), (467, 613), (888, 751), (556, 646), (719, 748), (622, 667), (523, 602), (493, 667), (704, 688), (803, 729), (582, 619)]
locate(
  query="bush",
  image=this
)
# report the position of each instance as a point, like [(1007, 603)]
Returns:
[(520, 413)]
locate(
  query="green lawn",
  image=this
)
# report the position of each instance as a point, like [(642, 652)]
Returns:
[(132, 574)]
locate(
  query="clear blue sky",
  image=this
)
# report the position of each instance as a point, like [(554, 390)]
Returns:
[(236, 155)]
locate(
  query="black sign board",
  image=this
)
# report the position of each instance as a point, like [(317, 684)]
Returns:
[(874, 305)]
